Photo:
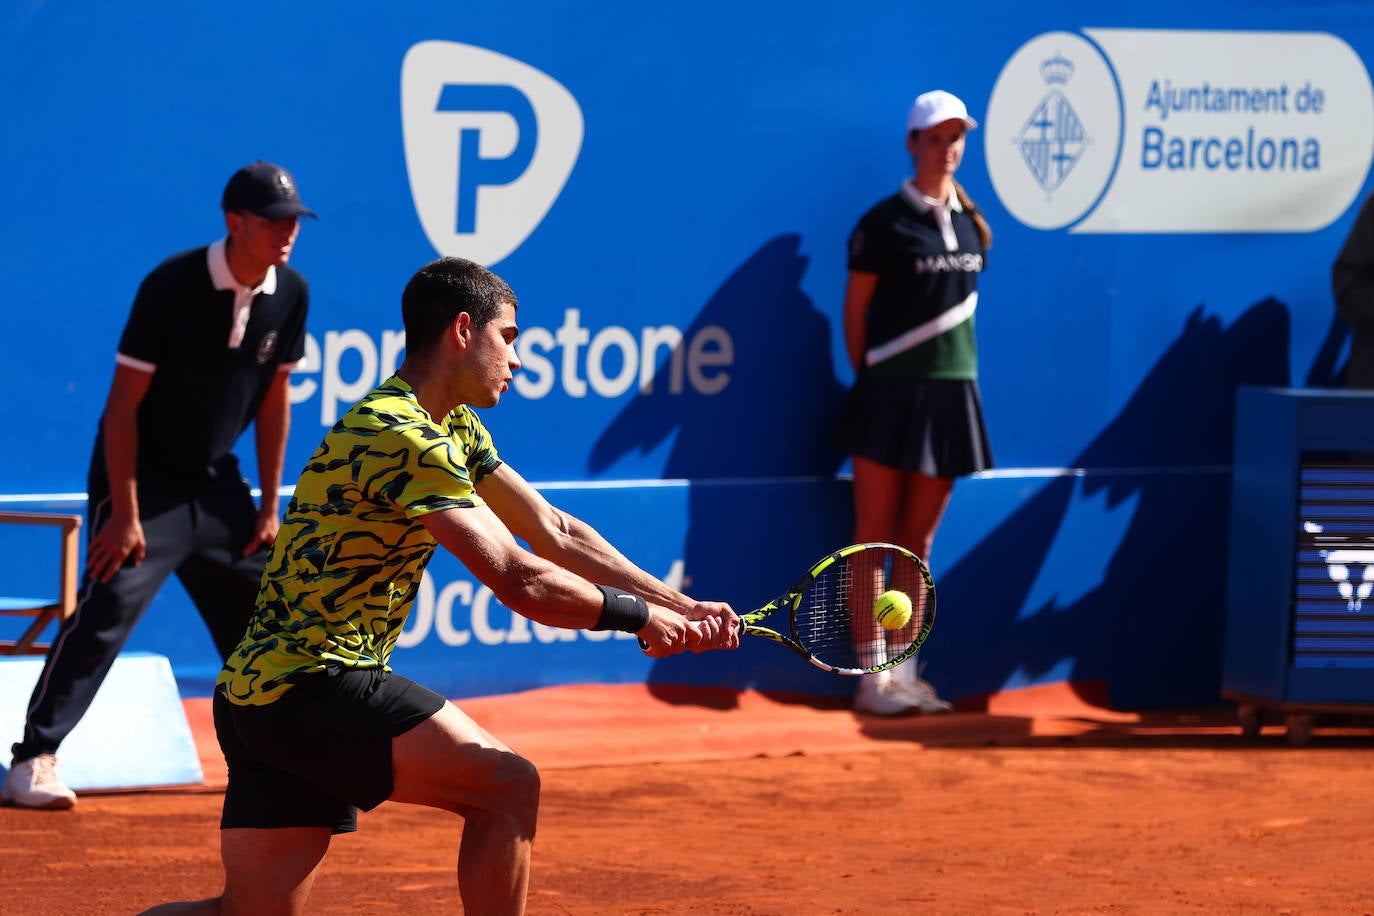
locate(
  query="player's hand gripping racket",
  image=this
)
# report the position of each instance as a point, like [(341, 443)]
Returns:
[(831, 619)]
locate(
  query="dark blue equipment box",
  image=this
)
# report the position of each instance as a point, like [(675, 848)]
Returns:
[(1300, 590)]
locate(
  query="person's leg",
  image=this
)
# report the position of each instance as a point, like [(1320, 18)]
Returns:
[(903, 508), (88, 641), (898, 507), (922, 506), (225, 596), (450, 762), (877, 517), (353, 738), (878, 494), (220, 580), (266, 872), (924, 501)]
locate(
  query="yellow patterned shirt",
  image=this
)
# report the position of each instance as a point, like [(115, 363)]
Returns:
[(347, 561)]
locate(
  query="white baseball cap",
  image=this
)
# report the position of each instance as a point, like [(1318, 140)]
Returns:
[(937, 107)]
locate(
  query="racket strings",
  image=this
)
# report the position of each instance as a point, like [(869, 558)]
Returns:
[(835, 619)]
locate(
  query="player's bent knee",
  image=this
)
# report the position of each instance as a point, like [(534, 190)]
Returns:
[(525, 786), (450, 762), (511, 791)]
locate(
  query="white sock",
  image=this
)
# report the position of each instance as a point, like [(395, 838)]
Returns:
[(873, 653)]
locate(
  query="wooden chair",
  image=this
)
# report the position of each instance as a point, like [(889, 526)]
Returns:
[(47, 609)]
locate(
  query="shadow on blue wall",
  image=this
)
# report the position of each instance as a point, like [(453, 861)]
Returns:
[(1328, 368), (774, 430), (1152, 628), (782, 386)]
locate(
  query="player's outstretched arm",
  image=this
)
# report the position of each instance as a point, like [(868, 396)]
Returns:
[(549, 594), (523, 582), (574, 545)]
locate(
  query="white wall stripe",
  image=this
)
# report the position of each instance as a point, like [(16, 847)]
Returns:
[(995, 474)]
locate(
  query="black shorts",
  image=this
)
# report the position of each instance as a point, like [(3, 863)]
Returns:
[(932, 426), (320, 752)]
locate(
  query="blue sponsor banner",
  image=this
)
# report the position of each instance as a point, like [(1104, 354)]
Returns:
[(670, 189)]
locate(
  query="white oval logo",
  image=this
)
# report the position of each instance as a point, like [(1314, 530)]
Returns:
[(1142, 130), (1052, 133)]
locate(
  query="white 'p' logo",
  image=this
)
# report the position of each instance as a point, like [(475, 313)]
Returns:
[(489, 144)]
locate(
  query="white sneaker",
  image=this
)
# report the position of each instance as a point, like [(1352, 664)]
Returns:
[(34, 783), (878, 695), (921, 695)]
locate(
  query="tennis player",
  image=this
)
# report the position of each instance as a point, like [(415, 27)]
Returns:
[(313, 723)]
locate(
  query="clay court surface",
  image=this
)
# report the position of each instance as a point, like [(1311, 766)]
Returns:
[(1041, 802)]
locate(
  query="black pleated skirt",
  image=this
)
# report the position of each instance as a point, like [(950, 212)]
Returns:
[(933, 426)]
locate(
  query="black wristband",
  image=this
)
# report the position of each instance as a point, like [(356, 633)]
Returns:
[(621, 611)]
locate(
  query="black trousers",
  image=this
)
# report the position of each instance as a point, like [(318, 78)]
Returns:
[(197, 532)]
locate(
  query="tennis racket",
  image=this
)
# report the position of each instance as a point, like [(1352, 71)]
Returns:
[(829, 613)]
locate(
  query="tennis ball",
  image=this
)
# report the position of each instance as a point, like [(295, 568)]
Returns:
[(893, 610)]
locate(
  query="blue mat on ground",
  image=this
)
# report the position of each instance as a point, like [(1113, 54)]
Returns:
[(135, 735)]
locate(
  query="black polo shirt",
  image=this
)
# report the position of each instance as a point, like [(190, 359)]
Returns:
[(203, 393), (919, 278)]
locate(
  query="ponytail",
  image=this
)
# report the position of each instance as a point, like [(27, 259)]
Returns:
[(979, 223)]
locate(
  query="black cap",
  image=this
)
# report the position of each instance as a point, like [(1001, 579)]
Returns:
[(265, 190)]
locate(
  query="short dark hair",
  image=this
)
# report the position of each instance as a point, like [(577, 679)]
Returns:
[(443, 289)]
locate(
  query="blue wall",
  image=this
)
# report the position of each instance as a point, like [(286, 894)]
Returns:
[(670, 191)]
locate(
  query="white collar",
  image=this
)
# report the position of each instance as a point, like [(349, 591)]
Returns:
[(918, 199), (223, 278)]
